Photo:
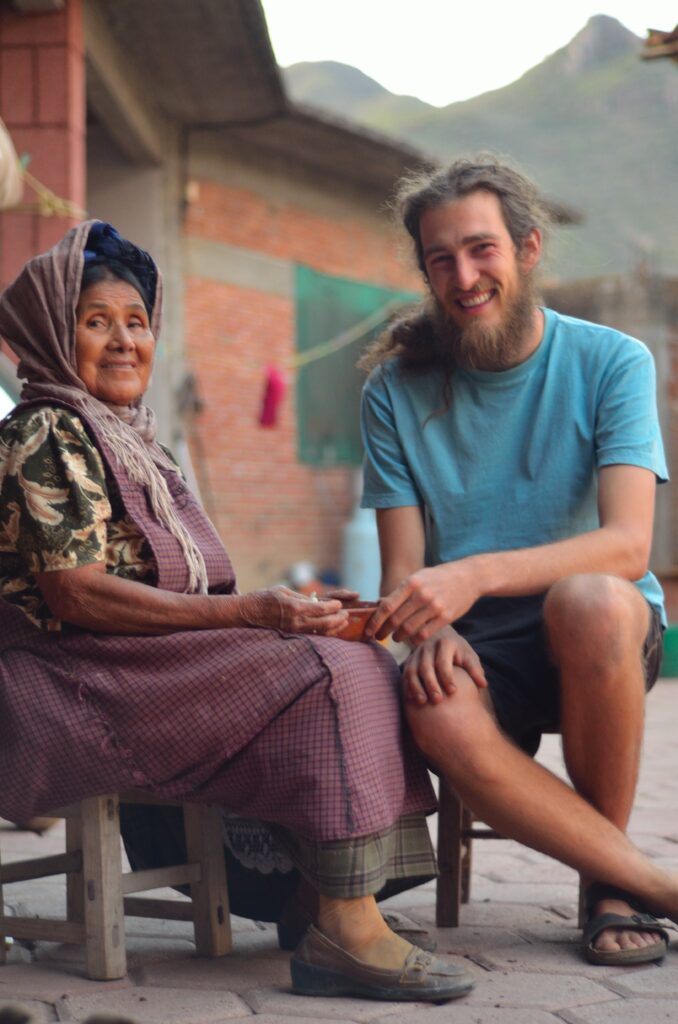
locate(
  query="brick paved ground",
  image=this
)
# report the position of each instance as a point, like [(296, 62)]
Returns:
[(518, 937)]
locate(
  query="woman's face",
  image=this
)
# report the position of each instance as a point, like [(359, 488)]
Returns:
[(113, 342)]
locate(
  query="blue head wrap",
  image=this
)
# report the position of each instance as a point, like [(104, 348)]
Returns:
[(104, 244)]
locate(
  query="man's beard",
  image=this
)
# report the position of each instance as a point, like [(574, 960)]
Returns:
[(480, 347)]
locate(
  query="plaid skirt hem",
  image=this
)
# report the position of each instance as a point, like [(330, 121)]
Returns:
[(362, 866)]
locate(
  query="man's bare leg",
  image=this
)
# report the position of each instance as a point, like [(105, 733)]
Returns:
[(523, 801), (596, 627)]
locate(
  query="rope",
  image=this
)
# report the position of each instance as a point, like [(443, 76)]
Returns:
[(347, 337), (49, 204)]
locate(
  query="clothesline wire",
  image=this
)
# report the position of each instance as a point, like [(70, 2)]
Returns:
[(347, 337)]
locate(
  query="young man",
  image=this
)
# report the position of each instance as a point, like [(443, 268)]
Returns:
[(512, 455)]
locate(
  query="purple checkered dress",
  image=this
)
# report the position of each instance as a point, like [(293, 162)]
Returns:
[(305, 732)]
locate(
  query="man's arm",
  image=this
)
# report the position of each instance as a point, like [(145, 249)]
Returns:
[(429, 668), (401, 543), (427, 599)]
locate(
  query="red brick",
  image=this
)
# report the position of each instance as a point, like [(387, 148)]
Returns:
[(271, 511), (17, 85), (77, 191), (50, 28), (76, 91), (50, 155), (17, 244), (53, 85), (350, 247), (51, 230)]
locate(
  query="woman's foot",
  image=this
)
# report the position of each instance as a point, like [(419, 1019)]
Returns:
[(322, 968), (353, 952)]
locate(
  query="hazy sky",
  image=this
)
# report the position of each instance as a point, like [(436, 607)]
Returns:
[(442, 50)]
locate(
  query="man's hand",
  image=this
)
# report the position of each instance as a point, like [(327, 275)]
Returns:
[(428, 672), (426, 601)]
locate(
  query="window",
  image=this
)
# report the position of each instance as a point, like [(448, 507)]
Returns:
[(328, 388)]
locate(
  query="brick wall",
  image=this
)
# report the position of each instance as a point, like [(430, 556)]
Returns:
[(270, 511), (42, 101)]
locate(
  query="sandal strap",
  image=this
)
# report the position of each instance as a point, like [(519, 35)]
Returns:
[(632, 923)]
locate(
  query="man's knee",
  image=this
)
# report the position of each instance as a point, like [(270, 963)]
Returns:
[(458, 732), (595, 615)]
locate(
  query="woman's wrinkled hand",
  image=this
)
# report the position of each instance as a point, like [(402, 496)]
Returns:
[(285, 609), (428, 673)]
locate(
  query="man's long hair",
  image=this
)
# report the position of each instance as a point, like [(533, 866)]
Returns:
[(412, 336)]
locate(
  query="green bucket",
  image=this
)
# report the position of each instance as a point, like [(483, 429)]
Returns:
[(670, 659)]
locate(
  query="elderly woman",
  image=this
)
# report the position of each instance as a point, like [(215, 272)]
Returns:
[(128, 657)]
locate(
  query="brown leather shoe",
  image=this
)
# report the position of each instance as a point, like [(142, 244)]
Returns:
[(321, 968)]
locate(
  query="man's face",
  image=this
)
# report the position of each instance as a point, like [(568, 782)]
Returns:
[(482, 287)]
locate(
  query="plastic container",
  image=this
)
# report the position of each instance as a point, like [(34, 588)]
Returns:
[(360, 559), (670, 660)]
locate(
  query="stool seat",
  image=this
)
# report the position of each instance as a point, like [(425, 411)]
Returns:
[(98, 892)]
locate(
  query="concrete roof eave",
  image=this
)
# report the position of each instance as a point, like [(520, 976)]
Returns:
[(209, 64), (334, 146)]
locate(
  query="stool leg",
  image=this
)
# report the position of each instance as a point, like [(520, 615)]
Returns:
[(204, 845), (3, 948), (448, 889), (581, 906), (75, 893), (466, 853), (102, 871)]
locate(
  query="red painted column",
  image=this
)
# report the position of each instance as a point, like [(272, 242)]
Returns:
[(42, 102)]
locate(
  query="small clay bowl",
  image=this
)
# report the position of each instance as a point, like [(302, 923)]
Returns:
[(359, 613)]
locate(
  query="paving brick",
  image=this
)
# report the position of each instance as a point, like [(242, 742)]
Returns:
[(140, 951), (275, 1002), (558, 931), (543, 991), (40, 1013), (657, 981), (523, 892), (484, 913), (158, 1006), (460, 1013), (511, 868), (286, 1018), (544, 958), (628, 1011), (239, 973), (43, 981), (468, 938)]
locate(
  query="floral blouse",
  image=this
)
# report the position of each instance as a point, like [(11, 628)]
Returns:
[(58, 510)]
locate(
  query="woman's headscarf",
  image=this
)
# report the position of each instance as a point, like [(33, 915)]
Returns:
[(38, 319)]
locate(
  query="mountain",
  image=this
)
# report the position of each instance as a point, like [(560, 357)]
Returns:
[(595, 125), (345, 91)]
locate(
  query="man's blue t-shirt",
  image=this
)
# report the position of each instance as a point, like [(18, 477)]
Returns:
[(513, 462)]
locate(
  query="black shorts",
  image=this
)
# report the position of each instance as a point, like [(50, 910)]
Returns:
[(507, 634)]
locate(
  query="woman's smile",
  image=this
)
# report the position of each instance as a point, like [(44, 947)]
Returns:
[(113, 342)]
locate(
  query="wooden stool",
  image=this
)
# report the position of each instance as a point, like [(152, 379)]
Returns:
[(97, 889), (456, 832)]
